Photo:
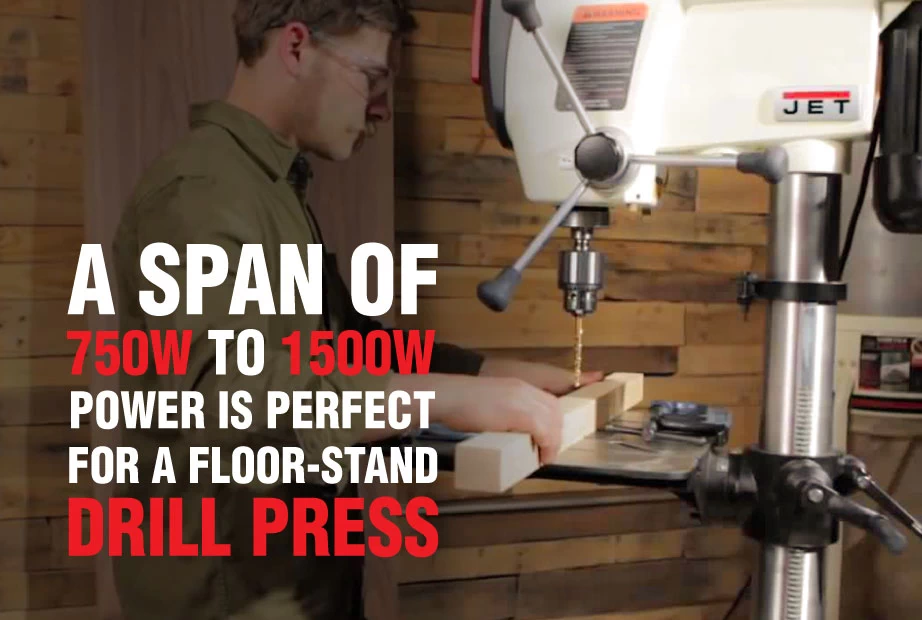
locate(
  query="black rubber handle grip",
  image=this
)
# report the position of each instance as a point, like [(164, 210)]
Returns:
[(525, 11), (869, 520), (771, 165), (497, 293)]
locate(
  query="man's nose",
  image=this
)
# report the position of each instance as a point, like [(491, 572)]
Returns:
[(379, 108)]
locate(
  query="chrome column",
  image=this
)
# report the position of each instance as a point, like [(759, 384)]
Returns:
[(799, 374)]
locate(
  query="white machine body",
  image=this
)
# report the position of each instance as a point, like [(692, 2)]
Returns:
[(692, 76)]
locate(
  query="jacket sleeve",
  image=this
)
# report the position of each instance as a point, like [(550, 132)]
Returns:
[(198, 211)]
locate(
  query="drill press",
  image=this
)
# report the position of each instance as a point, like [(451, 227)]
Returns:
[(777, 89)]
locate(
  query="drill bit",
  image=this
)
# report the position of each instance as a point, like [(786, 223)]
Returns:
[(578, 353)]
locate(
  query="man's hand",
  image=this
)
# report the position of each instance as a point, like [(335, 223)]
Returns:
[(487, 404), (543, 376)]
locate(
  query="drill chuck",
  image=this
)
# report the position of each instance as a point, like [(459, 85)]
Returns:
[(580, 278)]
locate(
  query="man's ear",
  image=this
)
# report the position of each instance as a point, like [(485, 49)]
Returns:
[(292, 42)]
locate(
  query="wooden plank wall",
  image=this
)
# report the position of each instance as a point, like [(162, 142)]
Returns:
[(669, 311), (41, 229)]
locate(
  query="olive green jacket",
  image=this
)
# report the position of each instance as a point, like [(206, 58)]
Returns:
[(226, 183)]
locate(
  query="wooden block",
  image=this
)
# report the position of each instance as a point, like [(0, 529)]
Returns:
[(445, 30), (466, 322), (495, 462), (38, 207), (728, 191), (39, 113), (33, 37), (47, 244)]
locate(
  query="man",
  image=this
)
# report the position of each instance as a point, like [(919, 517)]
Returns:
[(313, 76)]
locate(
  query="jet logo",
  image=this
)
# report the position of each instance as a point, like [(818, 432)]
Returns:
[(817, 105)]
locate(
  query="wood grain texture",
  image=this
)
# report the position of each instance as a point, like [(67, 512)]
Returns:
[(728, 191), (459, 282), (38, 113), (489, 216), (725, 324), (440, 29), (35, 37), (660, 584), (58, 9), (718, 360), (519, 558), (542, 323), (48, 371), (46, 590), (34, 405), (721, 391), (39, 77), (39, 160), (37, 329), (29, 207), (647, 360), (558, 524), (25, 281), (37, 545), (480, 599), (60, 613), (452, 6), (49, 244), (621, 256)]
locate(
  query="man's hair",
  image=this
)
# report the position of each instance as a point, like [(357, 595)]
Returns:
[(253, 19)]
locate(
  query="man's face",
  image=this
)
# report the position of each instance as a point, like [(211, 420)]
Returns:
[(347, 94)]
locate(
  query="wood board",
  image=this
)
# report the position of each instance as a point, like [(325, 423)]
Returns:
[(494, 462)]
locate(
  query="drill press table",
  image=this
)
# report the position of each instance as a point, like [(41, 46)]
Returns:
[(605, 457)]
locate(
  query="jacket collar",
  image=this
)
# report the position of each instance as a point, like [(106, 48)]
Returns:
[(272, 153)]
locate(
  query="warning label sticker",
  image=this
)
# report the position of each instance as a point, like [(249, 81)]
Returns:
[(600, 55)]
